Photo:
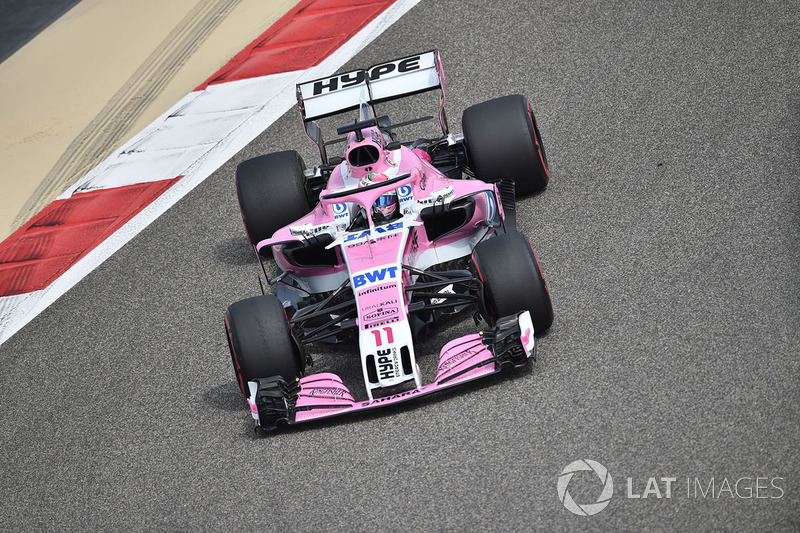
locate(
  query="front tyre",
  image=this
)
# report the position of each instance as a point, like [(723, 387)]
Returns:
[(503, 143), (512, 280), (261, 341), (271, 192)]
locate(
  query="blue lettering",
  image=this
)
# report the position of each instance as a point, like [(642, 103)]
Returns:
[(375, 275), (394, 226), (380, 229), (354, 236)]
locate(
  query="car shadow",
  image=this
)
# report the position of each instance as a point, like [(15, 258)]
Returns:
[(235, 251)]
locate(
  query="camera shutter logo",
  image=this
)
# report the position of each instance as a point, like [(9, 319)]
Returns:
[(586, 509)]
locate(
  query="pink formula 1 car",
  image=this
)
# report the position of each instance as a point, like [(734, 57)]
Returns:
[(399, 235)]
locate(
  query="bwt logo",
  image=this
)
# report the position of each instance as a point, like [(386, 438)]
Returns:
[(379, 274), (339, 211), (404, 193), (586, 509)]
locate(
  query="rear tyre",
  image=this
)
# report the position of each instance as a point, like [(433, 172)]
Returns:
[(271, 192), (261, 342), (503, 143), (512, 280)]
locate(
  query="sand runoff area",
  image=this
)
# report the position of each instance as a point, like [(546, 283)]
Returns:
[(100, 74)]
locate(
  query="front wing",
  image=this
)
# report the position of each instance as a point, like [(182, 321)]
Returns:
[(324, 395)]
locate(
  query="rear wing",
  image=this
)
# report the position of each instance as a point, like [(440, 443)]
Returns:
[(386, 81)]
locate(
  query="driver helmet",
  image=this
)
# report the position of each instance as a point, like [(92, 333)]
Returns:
[(386, 205)]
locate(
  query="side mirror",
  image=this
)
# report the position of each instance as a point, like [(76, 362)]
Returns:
[(315, 134)]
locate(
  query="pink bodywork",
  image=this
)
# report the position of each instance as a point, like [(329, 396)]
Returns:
[(461, 360), (324, 395), (373, 258), (424, 179)]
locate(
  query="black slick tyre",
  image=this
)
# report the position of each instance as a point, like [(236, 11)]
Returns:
[(503, 143), (261, 342), (512, 280), (271, 192)]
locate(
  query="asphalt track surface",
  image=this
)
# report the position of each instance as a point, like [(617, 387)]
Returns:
[(669, 238), (22, 20)]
